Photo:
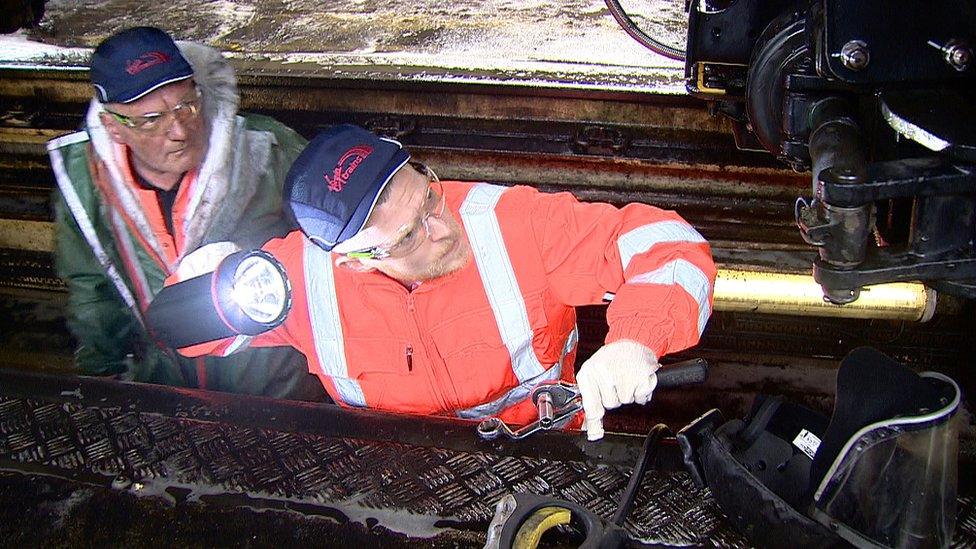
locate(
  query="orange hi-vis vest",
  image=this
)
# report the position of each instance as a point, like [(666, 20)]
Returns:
[(475, 342), (171, 247)]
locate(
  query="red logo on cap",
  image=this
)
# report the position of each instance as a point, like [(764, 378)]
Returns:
[(345, 167), (144, 61)]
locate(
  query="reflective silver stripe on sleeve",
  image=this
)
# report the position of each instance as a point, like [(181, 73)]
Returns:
[(685, 274), (570, 343), (513, 396), (84, 223), (522, 390), (498, 278), (240, 342), (323, 312), (643, 238)]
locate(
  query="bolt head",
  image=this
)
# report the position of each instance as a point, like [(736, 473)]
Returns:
[(855, 55), (959, 57)]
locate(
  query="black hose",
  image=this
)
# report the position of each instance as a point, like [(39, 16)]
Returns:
[(647, 455), (636, 33)]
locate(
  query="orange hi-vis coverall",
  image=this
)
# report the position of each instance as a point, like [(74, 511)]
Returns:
[(473, 343)]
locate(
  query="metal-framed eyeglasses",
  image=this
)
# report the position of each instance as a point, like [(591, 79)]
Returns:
[(410, 237), (159, 122)]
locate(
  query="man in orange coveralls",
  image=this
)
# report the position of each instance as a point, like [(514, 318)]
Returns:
[(414, 295)]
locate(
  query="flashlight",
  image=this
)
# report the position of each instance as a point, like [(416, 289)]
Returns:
[(248, 294)]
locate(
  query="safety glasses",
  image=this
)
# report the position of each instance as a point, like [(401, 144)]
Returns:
[(414, 234), (154, 123)]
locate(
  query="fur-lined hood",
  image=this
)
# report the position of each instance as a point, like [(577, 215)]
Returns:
[(235, 162)]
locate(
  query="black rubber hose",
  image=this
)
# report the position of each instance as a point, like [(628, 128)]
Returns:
[(636, 33), (647, 455)]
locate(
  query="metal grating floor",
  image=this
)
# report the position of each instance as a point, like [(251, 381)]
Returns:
[(422, 480), (420, 490)]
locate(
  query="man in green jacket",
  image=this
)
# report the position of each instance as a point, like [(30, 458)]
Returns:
[(164, 166)]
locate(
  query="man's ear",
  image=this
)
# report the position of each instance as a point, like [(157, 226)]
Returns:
[(352, 264), (112, 127)]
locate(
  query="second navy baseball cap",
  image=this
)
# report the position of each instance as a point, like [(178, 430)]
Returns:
[(332, 187)]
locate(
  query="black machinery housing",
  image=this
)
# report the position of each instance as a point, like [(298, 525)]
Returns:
[(876, 101)]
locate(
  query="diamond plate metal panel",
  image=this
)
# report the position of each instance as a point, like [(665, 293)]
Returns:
[(373, 480), (155, 451)]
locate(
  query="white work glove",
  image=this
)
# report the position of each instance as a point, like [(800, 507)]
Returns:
[(621, 372), (204, 259)]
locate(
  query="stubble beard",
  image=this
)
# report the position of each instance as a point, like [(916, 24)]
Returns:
[(451, 261), (456, 255)]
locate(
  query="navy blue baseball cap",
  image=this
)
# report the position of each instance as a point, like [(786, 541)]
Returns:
[(134, 62), (332, 187)]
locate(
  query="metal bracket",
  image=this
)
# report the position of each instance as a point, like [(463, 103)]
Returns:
[(601, 140), (393, 127)]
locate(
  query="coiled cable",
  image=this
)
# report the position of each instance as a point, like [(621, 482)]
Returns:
[(636, 33)]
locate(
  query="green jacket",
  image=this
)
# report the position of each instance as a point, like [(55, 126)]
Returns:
[(107, 263)]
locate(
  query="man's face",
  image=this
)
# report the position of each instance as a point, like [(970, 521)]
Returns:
[(408, 221), (167, 149)]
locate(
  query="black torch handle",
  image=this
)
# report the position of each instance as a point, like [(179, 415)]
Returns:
[(687, 372), (183, 314)]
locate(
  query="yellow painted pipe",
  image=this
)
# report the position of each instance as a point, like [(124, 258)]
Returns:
[(795, 294)]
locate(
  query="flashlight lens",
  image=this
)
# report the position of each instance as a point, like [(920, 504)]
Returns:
[(259, 289)]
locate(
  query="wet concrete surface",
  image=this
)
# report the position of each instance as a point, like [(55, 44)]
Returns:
[(573, 43), (572, 31)]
